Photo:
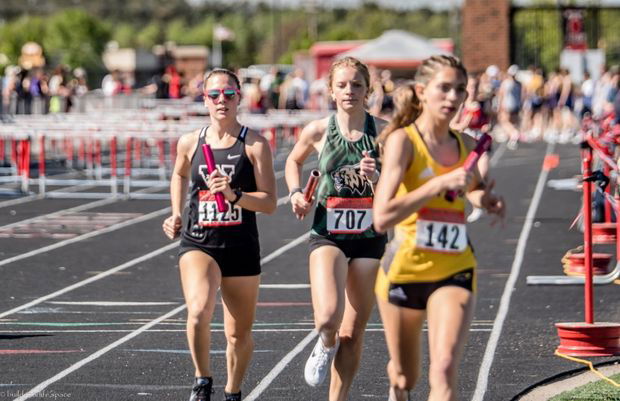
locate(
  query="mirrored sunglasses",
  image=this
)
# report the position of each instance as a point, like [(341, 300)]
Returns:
[(228, 93)]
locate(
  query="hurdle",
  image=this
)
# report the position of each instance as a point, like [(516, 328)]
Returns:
[(603, 233), (117, 152), (588, 338)]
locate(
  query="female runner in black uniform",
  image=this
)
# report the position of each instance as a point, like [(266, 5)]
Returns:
[(221, 250)]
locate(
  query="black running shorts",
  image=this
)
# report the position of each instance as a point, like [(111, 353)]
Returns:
[(353, 248), (232, 261)]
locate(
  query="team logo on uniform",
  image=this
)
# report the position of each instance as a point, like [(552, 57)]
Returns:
[(225, 169), (347, 177)]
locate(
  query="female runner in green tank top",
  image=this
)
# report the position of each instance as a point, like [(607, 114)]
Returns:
[(344, 247)]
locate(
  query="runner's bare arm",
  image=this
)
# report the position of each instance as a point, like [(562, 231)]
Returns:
[(264, 200), (178, 183), (398, 153), (311, 139)]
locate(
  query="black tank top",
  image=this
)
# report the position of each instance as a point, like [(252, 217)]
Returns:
[(202, 222)]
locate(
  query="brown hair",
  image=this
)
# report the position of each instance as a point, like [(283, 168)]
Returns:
[(217, 71), (407, 107), (349, 62)]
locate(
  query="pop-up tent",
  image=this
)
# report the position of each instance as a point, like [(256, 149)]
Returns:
[(395, 49)]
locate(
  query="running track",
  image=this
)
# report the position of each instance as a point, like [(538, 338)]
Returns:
[(100, 316)]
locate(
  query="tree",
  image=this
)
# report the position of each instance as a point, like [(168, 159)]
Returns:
[(75, 38)]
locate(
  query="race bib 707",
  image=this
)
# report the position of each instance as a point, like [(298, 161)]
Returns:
[(348, 215)]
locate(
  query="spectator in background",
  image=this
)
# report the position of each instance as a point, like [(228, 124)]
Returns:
[(267, 85), (254, 97), (111, 84), (295, 91), (587, 94), (174, 86), (9, 93), (24, 98), (319, 94), (532, 117), (38, 91), (510, 95)]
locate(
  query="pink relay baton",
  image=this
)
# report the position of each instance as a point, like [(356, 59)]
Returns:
[(472, 158), (313, 181), (222, 207)]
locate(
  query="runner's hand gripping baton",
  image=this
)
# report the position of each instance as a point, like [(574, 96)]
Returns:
[(222, 207), (472, 158), (313, 181)]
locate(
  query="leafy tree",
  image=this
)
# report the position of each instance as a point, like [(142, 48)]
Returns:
[(75, 38), (150, 35), (13, 35)]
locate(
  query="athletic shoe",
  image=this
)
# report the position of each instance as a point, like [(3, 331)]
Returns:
[(202, 391), (512, 144), (232, 396), (319, 362), (474, 215)]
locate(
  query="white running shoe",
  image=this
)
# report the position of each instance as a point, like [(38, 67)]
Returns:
[(319, 362), (474, 215)]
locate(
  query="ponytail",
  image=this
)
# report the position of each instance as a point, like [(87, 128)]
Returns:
[(407, 106), (407, 109)]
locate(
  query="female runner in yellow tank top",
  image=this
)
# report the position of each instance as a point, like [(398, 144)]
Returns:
[(428, 269)]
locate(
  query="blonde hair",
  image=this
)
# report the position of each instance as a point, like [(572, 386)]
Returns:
[(349, 62), (407, 106)]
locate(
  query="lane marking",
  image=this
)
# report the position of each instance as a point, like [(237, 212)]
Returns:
[(302, 238), (37, 389), (135, 261), (79, 208), (280, 366), (92, 279), (42, 386), (498, 154), (85, 236), (186, 351), (36, 351), (283, 330), (487, 361), (111, 303), (285, 286)]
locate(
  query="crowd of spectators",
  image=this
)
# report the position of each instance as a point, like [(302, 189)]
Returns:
[(522, 104)]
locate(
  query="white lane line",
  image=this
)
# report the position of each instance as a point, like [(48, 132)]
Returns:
[(33, 392), (42, 386), (92, 279), (125, 265), (498, 154), (85, 331), (85, 236), (280, 366), (285, 286), (487, 361), (302, 238), (112, 303), (79, 208), (34, 197)]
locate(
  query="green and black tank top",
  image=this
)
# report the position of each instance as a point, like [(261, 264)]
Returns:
[(344, 195)]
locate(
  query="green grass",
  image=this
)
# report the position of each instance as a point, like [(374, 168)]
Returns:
[(596, 391)]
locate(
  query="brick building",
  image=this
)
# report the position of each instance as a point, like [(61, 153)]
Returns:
[(485, 34)]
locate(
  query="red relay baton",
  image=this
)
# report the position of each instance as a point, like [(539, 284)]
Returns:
[(311, 185), (472, 158), (222, 207)]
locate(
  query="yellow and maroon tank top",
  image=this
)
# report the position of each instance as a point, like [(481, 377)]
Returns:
[(431, 244)]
